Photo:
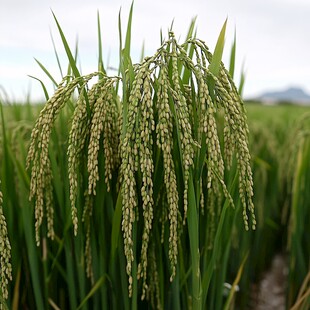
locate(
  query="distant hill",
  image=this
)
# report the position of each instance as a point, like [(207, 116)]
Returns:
[(292, 94)]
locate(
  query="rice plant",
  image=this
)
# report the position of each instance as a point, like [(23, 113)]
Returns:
[(148, 163), (297, 175)]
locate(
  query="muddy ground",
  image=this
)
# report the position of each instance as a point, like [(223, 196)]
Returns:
[(269, 293)]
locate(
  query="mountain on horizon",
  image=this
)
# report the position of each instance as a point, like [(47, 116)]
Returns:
[(291, 94)]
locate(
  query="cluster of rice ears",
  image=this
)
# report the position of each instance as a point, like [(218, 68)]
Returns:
[(155, 154), (150, 164), (123, 185)]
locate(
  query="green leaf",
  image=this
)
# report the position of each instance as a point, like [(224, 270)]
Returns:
[(206, 278), (46, 72), (215, 64), (142, 51), (193, 232), (100, 58), (128, 34), (191, 29), (57, 57), (72, 60), (116, 226), (120, 34), (216, 61), (43, 86), (93, 290), (186, 72), (232, 58), (234, 285), (242, 80)]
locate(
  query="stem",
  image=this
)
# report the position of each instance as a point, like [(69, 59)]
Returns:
[(193, 231)]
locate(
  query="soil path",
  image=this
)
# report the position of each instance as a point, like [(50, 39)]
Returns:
[(270, 292)]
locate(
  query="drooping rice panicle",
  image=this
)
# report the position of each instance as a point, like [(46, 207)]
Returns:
[(5, 258), (38, 151), (103, 121), (87, 215), (129, 165), (164, 130), (146, 128)]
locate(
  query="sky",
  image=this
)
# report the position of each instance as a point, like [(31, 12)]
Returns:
[(273, 41)]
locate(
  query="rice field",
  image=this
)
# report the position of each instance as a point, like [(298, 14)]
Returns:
[(157, 188)]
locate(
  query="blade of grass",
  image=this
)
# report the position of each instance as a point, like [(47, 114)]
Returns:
[(193, 232), (100, 57), (184, 71), (232, 57), (206, 278), (71, 280), (46, 72), (216, 61), (116, 226), (176, 291), (123, 287), (97, 285), (128, 32), (72, 60), (53, 305), (215, 64), (242, 80), (16, 297), (125, 63), (187, 73), (235, 283), (56, 55), (142, 51), (32, 255), (43, 87)]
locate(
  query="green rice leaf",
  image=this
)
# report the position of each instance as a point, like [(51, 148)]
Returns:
[(193, 232), (234, 285), (142, 51), (116, 226), (128, 33), (57, 57), (97, 285), (43, 87), (215, 64), (100, 58), (232, 58), (242, 80), (72, 59), (46, 72), (216, 61)]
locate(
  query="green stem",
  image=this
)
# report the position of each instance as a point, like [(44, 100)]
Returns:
[(193, 231)]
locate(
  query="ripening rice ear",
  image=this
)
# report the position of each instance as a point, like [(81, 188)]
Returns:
[(5, 256), (161, 120)]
